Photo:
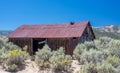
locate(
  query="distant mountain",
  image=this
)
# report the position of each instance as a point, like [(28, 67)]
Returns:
[(5, 32), (110, 28), (110, 31)]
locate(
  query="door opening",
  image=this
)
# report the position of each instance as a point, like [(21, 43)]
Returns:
[(38, 44)]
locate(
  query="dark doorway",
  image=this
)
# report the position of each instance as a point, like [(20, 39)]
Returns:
[(38, 44)]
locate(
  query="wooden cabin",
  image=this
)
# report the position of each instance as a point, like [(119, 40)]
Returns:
[(66, 35)]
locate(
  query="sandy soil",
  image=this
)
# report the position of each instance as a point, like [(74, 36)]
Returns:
[(31, 67)]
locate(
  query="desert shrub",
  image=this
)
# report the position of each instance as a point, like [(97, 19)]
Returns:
[(103, 58), (12, 68), (78, 51), (59, 61), (113, 60), (3, 54), (42, 57), (55, 60), (98, 44), (97, 49), (89, 45), (102, 43), (92, 55), (88, 68), (25, 48), (11, 46), (15, 59), (101, 49), (98, 68), (106, 68), (105, 40), (118, 69), (11, 56), (114, 47), (4, 42)]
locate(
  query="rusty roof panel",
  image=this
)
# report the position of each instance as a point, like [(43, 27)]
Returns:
[(50, 31)]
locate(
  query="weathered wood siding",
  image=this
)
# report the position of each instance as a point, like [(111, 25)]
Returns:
[(22, 42), (86, 36), (67, 43), (74, 42)]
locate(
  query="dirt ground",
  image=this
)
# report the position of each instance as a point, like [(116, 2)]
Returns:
[(32, 68)]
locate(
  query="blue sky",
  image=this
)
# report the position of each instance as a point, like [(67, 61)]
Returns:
[(14, 13)]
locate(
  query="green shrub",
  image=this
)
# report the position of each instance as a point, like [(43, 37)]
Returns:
[(42, 57), (11, 56), (55, 60), (103, 58), (3, 54), (105, 39), (89, 45), (118, 69), (102, 43), (98, 68), (114, 47), (12, 68), (15, 59), (59, 61), (113, 60), (92, 55), (98, 44), (4, 42), (88, 68), (101, 49), (78, 51), (106, 68)]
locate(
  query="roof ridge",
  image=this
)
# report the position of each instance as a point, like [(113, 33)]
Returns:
[(66, 23)]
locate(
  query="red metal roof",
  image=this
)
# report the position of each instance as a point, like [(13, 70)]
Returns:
[(50, 31)]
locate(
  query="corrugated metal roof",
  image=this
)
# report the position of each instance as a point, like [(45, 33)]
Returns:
[(50, 31)]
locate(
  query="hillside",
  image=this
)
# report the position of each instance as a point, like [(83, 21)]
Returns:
[(110, 28), (110, 31), (5, 32)]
